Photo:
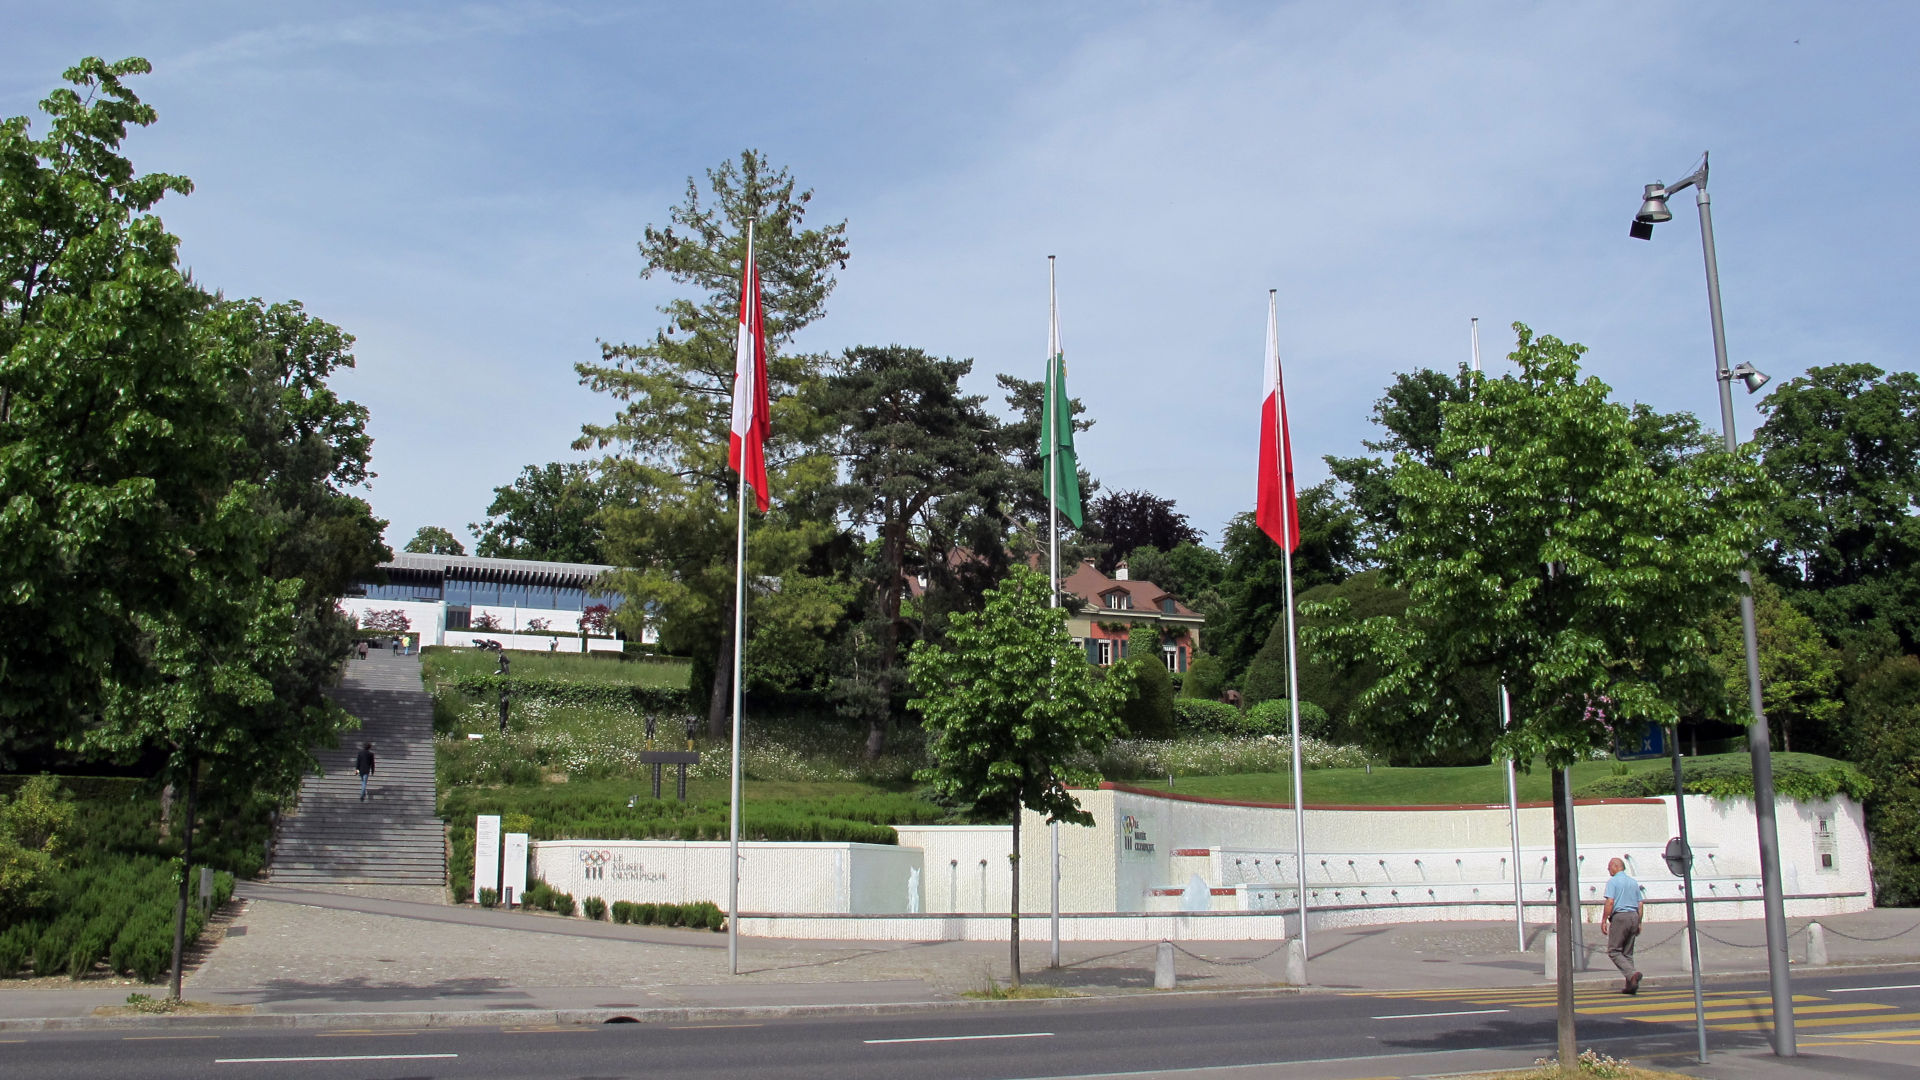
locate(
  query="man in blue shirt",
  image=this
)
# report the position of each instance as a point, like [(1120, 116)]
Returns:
[(1620, 921)]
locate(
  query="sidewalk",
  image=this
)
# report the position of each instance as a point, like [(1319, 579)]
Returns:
[(309, 951)]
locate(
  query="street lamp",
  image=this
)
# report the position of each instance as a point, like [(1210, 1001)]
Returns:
[(1653, 211)]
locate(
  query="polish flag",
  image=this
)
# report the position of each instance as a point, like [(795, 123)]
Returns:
[(1276, 511), (746, 446)]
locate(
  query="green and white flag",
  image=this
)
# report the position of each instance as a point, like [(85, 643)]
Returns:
[(1056, 428)]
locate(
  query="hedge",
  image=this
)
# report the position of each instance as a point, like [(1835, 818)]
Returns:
[(1807, 777), (700, 913), (638, 699)]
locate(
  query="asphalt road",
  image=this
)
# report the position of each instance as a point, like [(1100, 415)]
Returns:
[(1023, 1040)]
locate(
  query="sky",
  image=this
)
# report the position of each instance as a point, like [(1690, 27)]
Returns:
[(462, 187)]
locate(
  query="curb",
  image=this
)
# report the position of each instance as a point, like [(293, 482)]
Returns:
[(711, 1013)]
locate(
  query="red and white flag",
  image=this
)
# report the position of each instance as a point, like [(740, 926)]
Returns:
[(746, 446), (1276, 511)]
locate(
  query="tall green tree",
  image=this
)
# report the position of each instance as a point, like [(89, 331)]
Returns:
[(1009, 703), (1408, 414), (435, 540), (549, 513), (1253, 589), (1547, 549), (1023, 509), (671, 529), (112, 429), (918, 457), (1883, 735), (1844, 441), (1799, 672)]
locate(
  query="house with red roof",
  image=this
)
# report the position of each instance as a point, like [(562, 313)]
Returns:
[(1111, 606)]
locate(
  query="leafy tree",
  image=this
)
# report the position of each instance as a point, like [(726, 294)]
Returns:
[(1844, 441), (789, 645), (1799, 671), (1547, 549), (1253, 588), (919, 457), (549, 513), (33, 829), (107, 415), (1409, 415), (1148, 713), (672, 528), (1009, 702), (434, 540), (1191, 572), (1126, 520), (1883, 735), (1206, 678)]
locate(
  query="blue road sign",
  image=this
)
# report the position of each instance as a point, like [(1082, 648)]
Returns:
[(1649, 742)]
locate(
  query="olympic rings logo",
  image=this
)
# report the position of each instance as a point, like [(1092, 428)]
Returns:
[(596, 858)]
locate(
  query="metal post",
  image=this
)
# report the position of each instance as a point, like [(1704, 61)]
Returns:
[(1052, 437), (1283, 458), (1686, 884), (1577, 936), (739, 644), (1759, 740), (1513, 789)]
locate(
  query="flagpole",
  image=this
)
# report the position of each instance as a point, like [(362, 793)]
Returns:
[(1282, 459), (1053, 562), (1513, 789), (739, 635)]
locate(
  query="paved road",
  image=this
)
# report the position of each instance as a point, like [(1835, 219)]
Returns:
[(1319, 1035)]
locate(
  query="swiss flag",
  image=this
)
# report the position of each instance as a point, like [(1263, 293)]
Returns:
[(1276, 511), (746, 446)]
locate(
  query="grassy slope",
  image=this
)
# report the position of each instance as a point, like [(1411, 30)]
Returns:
[(1475, 784), (440, 662)]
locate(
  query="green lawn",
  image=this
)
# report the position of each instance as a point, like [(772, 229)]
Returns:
[(446, 662), (1472, 785)]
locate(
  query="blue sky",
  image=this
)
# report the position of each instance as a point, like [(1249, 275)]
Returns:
[(462, 187)]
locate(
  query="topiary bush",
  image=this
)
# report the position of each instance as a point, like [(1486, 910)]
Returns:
[(562, 903), (1195, 716), (594, 908), (1807, 777), (1275, 717)]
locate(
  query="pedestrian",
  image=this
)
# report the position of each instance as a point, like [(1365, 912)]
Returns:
[(1620, 921), (363, 648), (394, 643), (363, 764)]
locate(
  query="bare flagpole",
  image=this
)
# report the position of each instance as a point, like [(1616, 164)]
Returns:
[(1053, 559), (1513, 789), (1283, 457), (739, 636)]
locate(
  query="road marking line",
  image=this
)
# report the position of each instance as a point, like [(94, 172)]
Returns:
[(1463, 1012), (961, 1038), (1902, 1033), (158, 1038), (1867, 989), (1756, 1013), (1829, 1021), (335, 1057), (360, 1034), (706, 1027)]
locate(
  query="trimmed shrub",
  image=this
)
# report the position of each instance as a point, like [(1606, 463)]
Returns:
[(1198, 716), (1276, 718), (489, 898), (639, 700), (594, 908), (622, 911), (562, 903), (1795, 776)]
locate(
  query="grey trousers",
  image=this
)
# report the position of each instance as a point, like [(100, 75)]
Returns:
[(1625, 930)]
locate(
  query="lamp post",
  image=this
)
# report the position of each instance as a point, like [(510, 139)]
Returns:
[(1653, 211)]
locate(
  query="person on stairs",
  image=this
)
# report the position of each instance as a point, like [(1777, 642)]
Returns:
[(1620, 921), (363, 764)]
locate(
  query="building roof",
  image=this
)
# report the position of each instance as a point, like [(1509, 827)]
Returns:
[(508, 571), (1088, 583)]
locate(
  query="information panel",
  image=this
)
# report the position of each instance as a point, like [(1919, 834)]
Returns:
[(513, 868), (486, 854)]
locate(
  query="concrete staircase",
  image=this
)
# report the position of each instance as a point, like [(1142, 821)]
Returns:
[(393, 838)]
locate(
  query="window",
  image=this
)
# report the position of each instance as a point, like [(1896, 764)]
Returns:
[(1119, 600), (1167, 604), (1106, 652)]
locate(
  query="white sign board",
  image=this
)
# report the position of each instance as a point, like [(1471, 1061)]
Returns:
[(486, 854), (513, 867)]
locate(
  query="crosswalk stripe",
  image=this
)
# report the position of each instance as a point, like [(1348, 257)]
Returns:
[(1827, 1021), (1668, 1003), (1757, 1012), (1900, 1033)]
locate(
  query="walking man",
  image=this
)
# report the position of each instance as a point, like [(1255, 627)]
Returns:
[(1620, 921), (363, 764)]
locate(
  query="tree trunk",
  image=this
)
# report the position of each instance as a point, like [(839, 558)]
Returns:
[(186, 872), (893, 570), (1013, 860), (1565, 901), (719, 703)]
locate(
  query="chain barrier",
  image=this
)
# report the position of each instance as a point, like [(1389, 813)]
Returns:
[(1227, 963)]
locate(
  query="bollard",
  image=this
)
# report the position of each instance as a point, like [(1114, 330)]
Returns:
[(206, 891), (1816, 944), (1163, 978), (1551, 939), (1296, 963)]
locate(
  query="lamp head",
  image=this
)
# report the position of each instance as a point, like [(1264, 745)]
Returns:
[(1753, 377), (1653, 207)]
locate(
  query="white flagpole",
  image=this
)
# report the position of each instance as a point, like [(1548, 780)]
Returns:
[(1053, 560), (1293, 658), (741, 385), (1513, 790)]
